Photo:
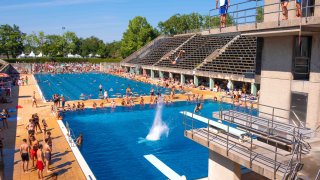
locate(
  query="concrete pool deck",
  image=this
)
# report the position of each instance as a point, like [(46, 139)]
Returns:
[(64, 163)]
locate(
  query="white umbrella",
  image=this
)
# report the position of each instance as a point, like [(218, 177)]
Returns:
[(90, 55), (97, 55), (77, 56)]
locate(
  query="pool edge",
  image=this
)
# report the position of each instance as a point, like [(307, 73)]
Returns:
[(76, 152)]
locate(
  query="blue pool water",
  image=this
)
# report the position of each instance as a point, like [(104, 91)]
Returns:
[(111, 141), (72, 85)]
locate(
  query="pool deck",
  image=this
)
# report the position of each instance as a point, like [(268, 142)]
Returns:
[(64, 164)]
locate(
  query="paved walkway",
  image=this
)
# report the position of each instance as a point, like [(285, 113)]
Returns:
[(64, 164)]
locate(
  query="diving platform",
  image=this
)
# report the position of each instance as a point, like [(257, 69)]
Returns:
[(163, 168), (272, 156)]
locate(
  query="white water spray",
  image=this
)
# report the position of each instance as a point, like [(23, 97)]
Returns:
[(158, 127)]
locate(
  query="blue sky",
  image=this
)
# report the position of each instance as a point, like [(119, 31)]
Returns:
[(106, 19)]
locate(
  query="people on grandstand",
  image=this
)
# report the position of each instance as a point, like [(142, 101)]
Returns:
[(284, 7), (298, 8), (178, 58), (224, 5)]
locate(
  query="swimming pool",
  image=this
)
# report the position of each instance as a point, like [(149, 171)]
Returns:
[(114, 147), (72, 85)]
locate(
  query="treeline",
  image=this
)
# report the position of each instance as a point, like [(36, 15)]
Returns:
[(139, 32)]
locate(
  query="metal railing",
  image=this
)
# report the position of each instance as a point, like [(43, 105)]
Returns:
[(290, 136), (71, 135), (247, 12)]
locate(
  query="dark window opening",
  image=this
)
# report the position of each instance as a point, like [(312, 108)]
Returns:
[(298, 113), (302, 57)]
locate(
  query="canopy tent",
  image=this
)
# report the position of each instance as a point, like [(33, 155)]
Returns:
[(70, 55), (77, 56), (32, 54), (40, 55), (97, 55), (22, 55), (90, 55)]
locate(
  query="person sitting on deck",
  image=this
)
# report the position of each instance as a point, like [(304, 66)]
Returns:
[(178, 58), (298, 8)]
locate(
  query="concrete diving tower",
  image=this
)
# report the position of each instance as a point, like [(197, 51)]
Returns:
[(274, 153)]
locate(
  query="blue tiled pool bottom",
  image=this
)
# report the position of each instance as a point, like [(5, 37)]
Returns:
[(72, 85), (111, 142)]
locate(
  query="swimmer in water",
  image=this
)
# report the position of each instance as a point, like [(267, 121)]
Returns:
[(198, 107)]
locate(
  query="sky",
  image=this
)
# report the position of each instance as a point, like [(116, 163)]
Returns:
[(105, 19)]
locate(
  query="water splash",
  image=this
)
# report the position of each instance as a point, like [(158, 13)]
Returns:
[(158, 128)]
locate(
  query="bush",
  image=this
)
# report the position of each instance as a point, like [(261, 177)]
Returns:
[(61, 60)]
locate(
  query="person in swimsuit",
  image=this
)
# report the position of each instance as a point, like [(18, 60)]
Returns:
[(33, 149), (30, 127), (284, 7), (49, 139), (4, 116), (198, 107), (24, 152), (34, 101), (45, 125), (178, 58), (47, 154), (40, 160), (35, 118), (298, 8), (224, 5), (79, 140)]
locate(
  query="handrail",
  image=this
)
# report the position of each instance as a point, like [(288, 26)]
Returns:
[(252, 11), (318, 175)]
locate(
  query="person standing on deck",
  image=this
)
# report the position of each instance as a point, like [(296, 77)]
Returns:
[(284, 7), (63, 101), (24, 152), (224, 4), (40, 160), (47, 154), (100, 89)]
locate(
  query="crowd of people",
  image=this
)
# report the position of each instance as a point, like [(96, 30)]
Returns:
[(54, 67)]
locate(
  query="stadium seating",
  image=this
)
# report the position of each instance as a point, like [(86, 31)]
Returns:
[(159, 50), (238, 58), (197, 49)]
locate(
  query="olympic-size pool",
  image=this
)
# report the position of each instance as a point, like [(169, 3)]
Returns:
[(73, 85), (114, 143)]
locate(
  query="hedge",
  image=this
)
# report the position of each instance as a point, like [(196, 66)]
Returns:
[(62, 60)]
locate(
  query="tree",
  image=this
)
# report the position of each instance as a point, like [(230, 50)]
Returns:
[(31, 43), (260, 13), (90, 46), (114, 49), (72, 43), (53, 45), (11, 40), (139, 33)]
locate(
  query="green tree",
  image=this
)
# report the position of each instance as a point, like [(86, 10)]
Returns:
[(139, 33), (11, 40), (90, 46), (54, 45), (114, 49), (72, 43), (31, 43), (260, 13)]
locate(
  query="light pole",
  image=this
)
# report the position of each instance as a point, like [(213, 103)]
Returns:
[(63, 30)]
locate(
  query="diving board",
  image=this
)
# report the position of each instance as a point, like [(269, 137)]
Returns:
[(232, 130), (163, 168)]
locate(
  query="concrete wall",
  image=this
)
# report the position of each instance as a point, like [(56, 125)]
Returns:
[(313, 111), (273, 8), (222, 168), (277, 81), (275, 89)]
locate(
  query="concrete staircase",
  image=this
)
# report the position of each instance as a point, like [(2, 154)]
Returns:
[(176, 50), (216, 53), (142, 51)]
